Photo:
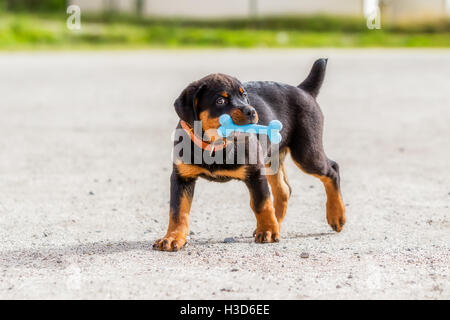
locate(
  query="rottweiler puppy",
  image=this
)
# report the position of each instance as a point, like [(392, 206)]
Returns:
[(259, 102)]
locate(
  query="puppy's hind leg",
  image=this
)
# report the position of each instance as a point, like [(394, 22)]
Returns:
[(308, 154)]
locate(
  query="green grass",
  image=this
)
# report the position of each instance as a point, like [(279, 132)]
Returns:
[(48, 31)]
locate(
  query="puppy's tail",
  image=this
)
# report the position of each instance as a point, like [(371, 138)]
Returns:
[(313, 82)]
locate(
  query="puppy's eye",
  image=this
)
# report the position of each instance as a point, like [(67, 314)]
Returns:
[(244, 94), (221, 101)]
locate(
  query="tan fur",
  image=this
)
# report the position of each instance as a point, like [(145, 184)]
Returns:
[(190, 170), (238, 117), (267, 227), (239, 173), (210, 125), (193, 171), (280, 191), (178, 229), (335, 206)]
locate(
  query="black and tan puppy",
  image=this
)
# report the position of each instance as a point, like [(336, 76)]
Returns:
[(252, 102)]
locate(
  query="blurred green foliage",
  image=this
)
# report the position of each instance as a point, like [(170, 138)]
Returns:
[(318, 23), (34, 5), (45, 30), (285, 23)]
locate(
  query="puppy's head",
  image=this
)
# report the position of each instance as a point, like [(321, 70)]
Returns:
[(210, 97)]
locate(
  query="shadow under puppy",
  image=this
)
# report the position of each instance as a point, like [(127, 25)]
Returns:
[(260, 102)]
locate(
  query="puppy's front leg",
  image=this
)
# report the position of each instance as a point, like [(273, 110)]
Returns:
[(267, 227), (181, 193)]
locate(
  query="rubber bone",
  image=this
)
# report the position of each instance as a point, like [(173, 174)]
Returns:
[(228, 127)]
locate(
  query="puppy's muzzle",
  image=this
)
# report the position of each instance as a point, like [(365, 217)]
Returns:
[(244, 115)]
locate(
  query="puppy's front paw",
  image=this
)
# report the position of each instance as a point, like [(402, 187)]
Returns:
[(267, 234), (170, 243)]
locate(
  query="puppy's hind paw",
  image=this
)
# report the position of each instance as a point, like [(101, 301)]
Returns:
[(336, 223)]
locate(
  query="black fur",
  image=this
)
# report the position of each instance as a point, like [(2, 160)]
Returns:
[(185, 105), (179, 187), (315, 78)]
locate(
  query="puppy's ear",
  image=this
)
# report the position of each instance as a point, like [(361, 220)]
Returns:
[(186, 103)]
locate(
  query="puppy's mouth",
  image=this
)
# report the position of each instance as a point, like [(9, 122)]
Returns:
[(241, 119)]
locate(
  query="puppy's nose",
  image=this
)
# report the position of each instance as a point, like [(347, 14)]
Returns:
[(250, 113)]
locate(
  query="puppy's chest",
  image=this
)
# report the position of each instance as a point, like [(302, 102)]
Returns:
[(217, 174)]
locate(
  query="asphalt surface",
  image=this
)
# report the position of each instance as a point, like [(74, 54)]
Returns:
[(85, 166)]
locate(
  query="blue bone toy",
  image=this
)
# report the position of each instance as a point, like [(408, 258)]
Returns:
[(272, 130)]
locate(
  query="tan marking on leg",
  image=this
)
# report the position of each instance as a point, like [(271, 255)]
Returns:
[(178, 229), (280, 191), (267, 227), (285, 179), (335, 206)]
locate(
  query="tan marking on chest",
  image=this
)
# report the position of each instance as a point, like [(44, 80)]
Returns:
[(190, 170), (193, 171), (239, 173)]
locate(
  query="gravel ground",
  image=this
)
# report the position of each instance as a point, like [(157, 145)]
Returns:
[(85, 165)]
